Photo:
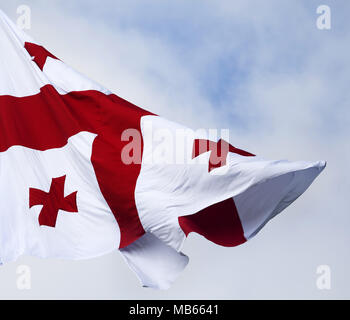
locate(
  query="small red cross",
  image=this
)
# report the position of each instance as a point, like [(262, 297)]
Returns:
[(219, 151), (52, 201), (39, 53)]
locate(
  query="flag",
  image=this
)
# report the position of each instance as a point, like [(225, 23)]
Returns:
[(84, 172)]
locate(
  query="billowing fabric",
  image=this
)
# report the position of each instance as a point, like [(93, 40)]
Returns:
[(67, 191)]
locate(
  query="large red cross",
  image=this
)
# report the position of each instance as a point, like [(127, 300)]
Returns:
[(52, 201), (219, 151)]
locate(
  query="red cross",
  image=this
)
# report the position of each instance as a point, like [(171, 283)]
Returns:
[(52, 201), (219, 151), (39, 53)]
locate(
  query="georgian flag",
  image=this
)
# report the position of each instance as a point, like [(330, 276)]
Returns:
[(84, 172)]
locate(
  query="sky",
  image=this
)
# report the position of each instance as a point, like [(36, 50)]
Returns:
[(261, 69)]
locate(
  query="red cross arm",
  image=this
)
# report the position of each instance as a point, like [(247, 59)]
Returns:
[(36, 197), (39, 53), (219, 151), (69, 203)]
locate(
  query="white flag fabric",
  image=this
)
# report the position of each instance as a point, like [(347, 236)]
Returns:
[(84, 172)]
